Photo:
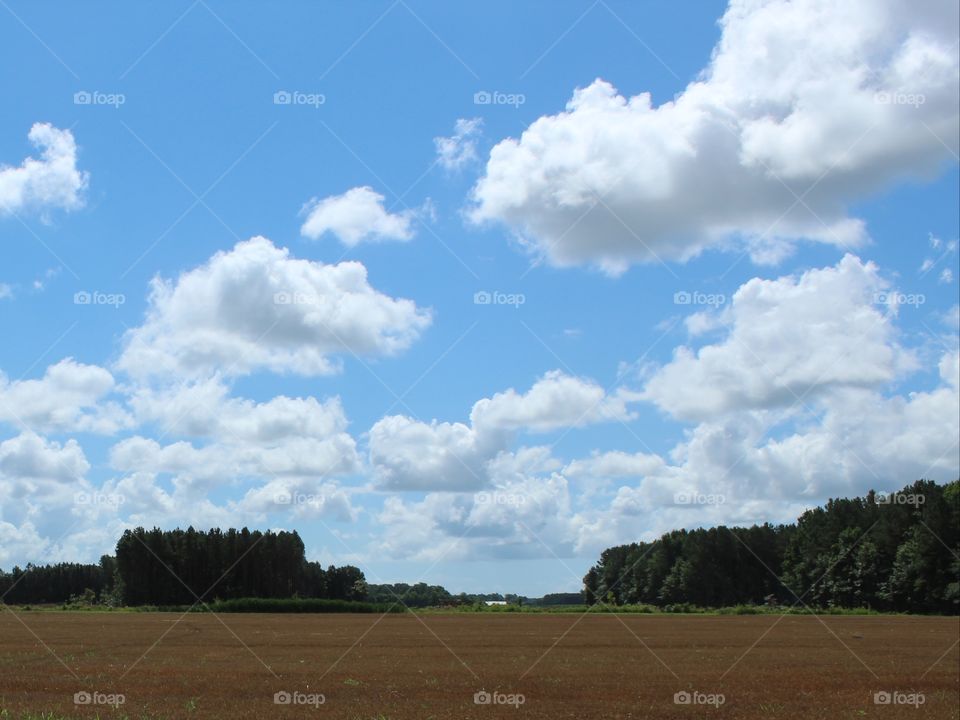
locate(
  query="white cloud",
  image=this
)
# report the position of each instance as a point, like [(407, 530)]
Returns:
[(813, 98), (286, 452), (68, 398), (525, 513), (255, 307), (555, 401), (460, 149), (306, 498), (946, 276), (356, 216), (18, 542), (615, 464), (787, 341), (38, 480), (230, 462), (32, 459), (204, 409), (408, 454), (52, 181), (6, 292)]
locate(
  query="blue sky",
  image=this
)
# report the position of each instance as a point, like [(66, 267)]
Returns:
[(721, 302)]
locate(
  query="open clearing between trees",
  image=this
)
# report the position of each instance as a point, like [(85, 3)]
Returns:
[(405, 667)]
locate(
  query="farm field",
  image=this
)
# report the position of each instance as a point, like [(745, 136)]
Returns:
[(405, 667)]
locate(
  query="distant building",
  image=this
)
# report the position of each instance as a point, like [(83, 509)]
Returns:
[(495, 602)]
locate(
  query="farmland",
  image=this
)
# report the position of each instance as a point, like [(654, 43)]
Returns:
[(399, 667)]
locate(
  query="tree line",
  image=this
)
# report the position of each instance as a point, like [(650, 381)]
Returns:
[(897, 552), (183, 567)]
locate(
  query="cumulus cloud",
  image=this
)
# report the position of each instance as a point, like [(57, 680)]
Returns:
[(615, 464), (50, 181), (282, 437), (804, 107), (408, 454), (255, 307), (754, 452), (29, 459), (786, 341), (38, 482), (356, 216), (70, 397), (555, 401), (227, 462), (525, 513), (286, 454), (460, 149)]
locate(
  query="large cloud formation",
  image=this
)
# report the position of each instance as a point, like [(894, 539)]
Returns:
[(408, 454), (787, 341), (255, 307), (805, 106), (70, 397)]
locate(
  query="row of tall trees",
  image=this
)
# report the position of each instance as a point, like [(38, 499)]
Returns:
[(180, 567), (898, 552), (58, 583)]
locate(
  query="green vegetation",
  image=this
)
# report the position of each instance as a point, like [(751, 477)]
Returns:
[(896, 553), (300, 605)]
